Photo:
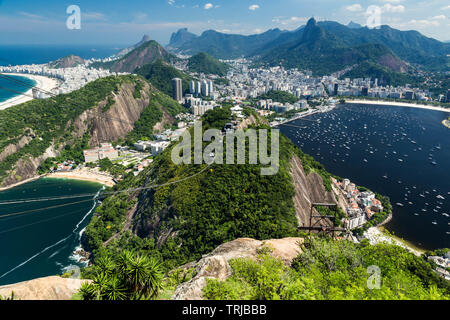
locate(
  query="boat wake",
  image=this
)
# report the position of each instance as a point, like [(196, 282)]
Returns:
[(60, 241)]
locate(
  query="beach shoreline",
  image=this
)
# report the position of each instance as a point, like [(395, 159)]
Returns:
[(376, 235), (84, 174), (42, 82), (398, 104)]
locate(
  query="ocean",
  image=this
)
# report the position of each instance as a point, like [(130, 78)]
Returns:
[(39, 54), (38, 238), (36, 242), (400, 152), (14, 88)]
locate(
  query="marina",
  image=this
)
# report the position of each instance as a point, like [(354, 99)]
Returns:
[(394, 151)]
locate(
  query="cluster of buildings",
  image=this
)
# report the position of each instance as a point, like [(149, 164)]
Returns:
[(367, 87), (203, 88), (245, 82), (282, 107), (65, 166), (71, 79), (360, 207), (442, 265), (106, 150), (155, 147)]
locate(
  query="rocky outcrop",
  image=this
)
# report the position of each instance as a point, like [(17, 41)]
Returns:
[(70, 61), (216, 264), (111, 125), (50, 288), (13, 148), (308, 189), (119, 119)]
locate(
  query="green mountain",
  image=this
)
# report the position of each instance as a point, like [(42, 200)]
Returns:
[(33, 134), (147, 52), (123, 52), (197, 208), (385, 75), (336, 41), (69, 61), (204, 63), (226, 46), (323, 52), (160, 73), (180, 37), (410, 46)]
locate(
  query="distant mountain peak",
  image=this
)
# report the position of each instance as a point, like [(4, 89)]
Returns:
[(145, 38), (180, 37), (312, 31), (354, 25), (311, 22)]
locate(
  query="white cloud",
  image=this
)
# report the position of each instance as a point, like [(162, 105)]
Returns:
[(439, 17), (423, 23), (93, 16), (294, 21), (208, 6), (253, 7), (354, 7), (445, 8), (391, 8), (171, 2), (30, 15)]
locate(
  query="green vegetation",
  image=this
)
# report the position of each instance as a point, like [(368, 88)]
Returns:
[(332, 270), (386, 76), (109, 104), (115, 169), (49, 121), (221, 203), (204, 63), (72, 152), (160, 74), (152, 114), (148, 52), (128, 276), (279, 96)]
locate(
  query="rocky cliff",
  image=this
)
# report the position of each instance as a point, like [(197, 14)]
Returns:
[(215, 265), (103, 125), (49, 288)]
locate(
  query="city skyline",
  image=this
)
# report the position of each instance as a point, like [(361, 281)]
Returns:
[(116, 22)]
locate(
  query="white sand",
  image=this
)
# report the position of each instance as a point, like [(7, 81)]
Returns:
[(42, 82), (374, 235), (399, 104), (85, 174)]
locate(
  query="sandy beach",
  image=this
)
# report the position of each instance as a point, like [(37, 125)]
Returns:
[(85, 174), (398, 104), (375, 236), (42, 82)]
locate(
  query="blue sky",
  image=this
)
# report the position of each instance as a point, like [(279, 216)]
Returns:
[(122, 22)]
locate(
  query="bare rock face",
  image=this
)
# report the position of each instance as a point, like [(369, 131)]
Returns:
[(215, 265), (308, 189), (50, 288)]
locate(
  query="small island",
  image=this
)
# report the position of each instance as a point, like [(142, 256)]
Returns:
[(446, 122)]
